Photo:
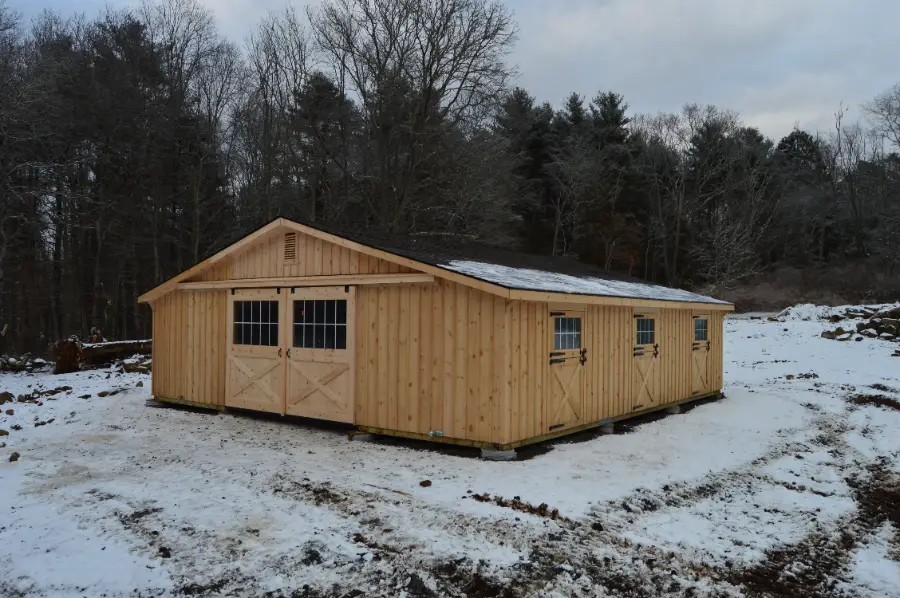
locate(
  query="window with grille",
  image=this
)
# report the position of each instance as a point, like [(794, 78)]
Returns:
[(256, 323), (567, 334), (646, 331), (320, 324), (701, 329)]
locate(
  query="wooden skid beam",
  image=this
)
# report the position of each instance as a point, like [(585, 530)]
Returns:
[(185, 403), (527, 441), (308, 281)]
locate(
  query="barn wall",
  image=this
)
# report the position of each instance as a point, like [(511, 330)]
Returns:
[(608, 375), (716, 353), (609, 382), (189, 346), (432, 358), (314, 257)]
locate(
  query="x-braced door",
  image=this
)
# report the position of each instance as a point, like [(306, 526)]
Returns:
[(320, 364), (255, 354), (700, 355), (646, 362), (565, 407)]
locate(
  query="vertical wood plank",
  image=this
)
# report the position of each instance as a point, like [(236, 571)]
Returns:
[(414, 360), (393, 367), (403, 398), (499, 403), (460, 387)]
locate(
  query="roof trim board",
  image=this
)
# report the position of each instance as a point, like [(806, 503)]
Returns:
[(435, 270)]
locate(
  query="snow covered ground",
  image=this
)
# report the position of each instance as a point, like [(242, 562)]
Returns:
[(788, 487)]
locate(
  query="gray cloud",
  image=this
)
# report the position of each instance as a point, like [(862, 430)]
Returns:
[(776, 62)]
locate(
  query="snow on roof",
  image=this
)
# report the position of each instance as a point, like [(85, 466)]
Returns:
[(540, 280)]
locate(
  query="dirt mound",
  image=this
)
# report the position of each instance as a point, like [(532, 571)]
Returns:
[(877, 400)]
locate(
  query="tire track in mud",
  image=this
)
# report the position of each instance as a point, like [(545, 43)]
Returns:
[(612, 513)]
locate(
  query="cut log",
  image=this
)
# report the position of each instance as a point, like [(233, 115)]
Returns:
[(70, 353), (103, 353)]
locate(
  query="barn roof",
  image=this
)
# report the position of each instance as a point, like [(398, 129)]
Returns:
[(466, 261), (523, 271)]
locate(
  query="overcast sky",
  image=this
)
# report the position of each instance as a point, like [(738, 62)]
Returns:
[(777, 62)]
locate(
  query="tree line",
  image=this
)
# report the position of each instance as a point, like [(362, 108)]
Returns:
[(136, 143)]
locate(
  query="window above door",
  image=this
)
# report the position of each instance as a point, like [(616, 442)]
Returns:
[(320, 323), (701, 329), (646, 331), (566, 333), (256, 323)]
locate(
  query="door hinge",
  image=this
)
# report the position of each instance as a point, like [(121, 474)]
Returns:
[(554, 361)]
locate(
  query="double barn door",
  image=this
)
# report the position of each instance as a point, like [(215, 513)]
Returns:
[(290, 351)]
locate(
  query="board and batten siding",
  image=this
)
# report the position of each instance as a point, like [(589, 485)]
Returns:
[(431, 359), (313, 257), (609, 337), (189, 347)]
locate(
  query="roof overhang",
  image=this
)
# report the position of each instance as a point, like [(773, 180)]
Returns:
[(278, 224)]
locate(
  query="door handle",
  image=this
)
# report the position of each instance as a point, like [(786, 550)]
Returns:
[(656, 350), (707, 345), (279, 351), (289, 353), (583, 356)]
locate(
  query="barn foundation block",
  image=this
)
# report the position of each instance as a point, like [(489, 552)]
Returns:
[(673, 410), (495, 455)]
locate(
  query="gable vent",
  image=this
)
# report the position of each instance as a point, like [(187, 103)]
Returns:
[(290, 247)]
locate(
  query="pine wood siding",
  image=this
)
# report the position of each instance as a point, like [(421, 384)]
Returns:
[(314, 257), (609, 339), (189, 347), (432, 359), (433, 356)]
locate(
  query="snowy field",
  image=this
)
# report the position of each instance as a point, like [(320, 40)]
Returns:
[(786, 487)]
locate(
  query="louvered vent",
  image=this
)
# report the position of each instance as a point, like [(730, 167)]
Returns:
[(290, 247)]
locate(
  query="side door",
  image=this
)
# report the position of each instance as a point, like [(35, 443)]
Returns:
[(568, 355), (255, 355), (700, 355), (320, 355), (646, 361)]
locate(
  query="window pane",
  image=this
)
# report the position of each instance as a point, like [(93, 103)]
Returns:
[(237, 340), (319, 311), (340, 338), (318, 335), (329, 336), (577, 341), (329, 311), (254, 334), (341, 317), (577, 322)]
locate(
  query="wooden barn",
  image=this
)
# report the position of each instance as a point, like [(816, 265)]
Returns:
[(427, 338)]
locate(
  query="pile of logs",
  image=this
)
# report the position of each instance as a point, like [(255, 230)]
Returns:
[(883, 323), (70, 354)]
